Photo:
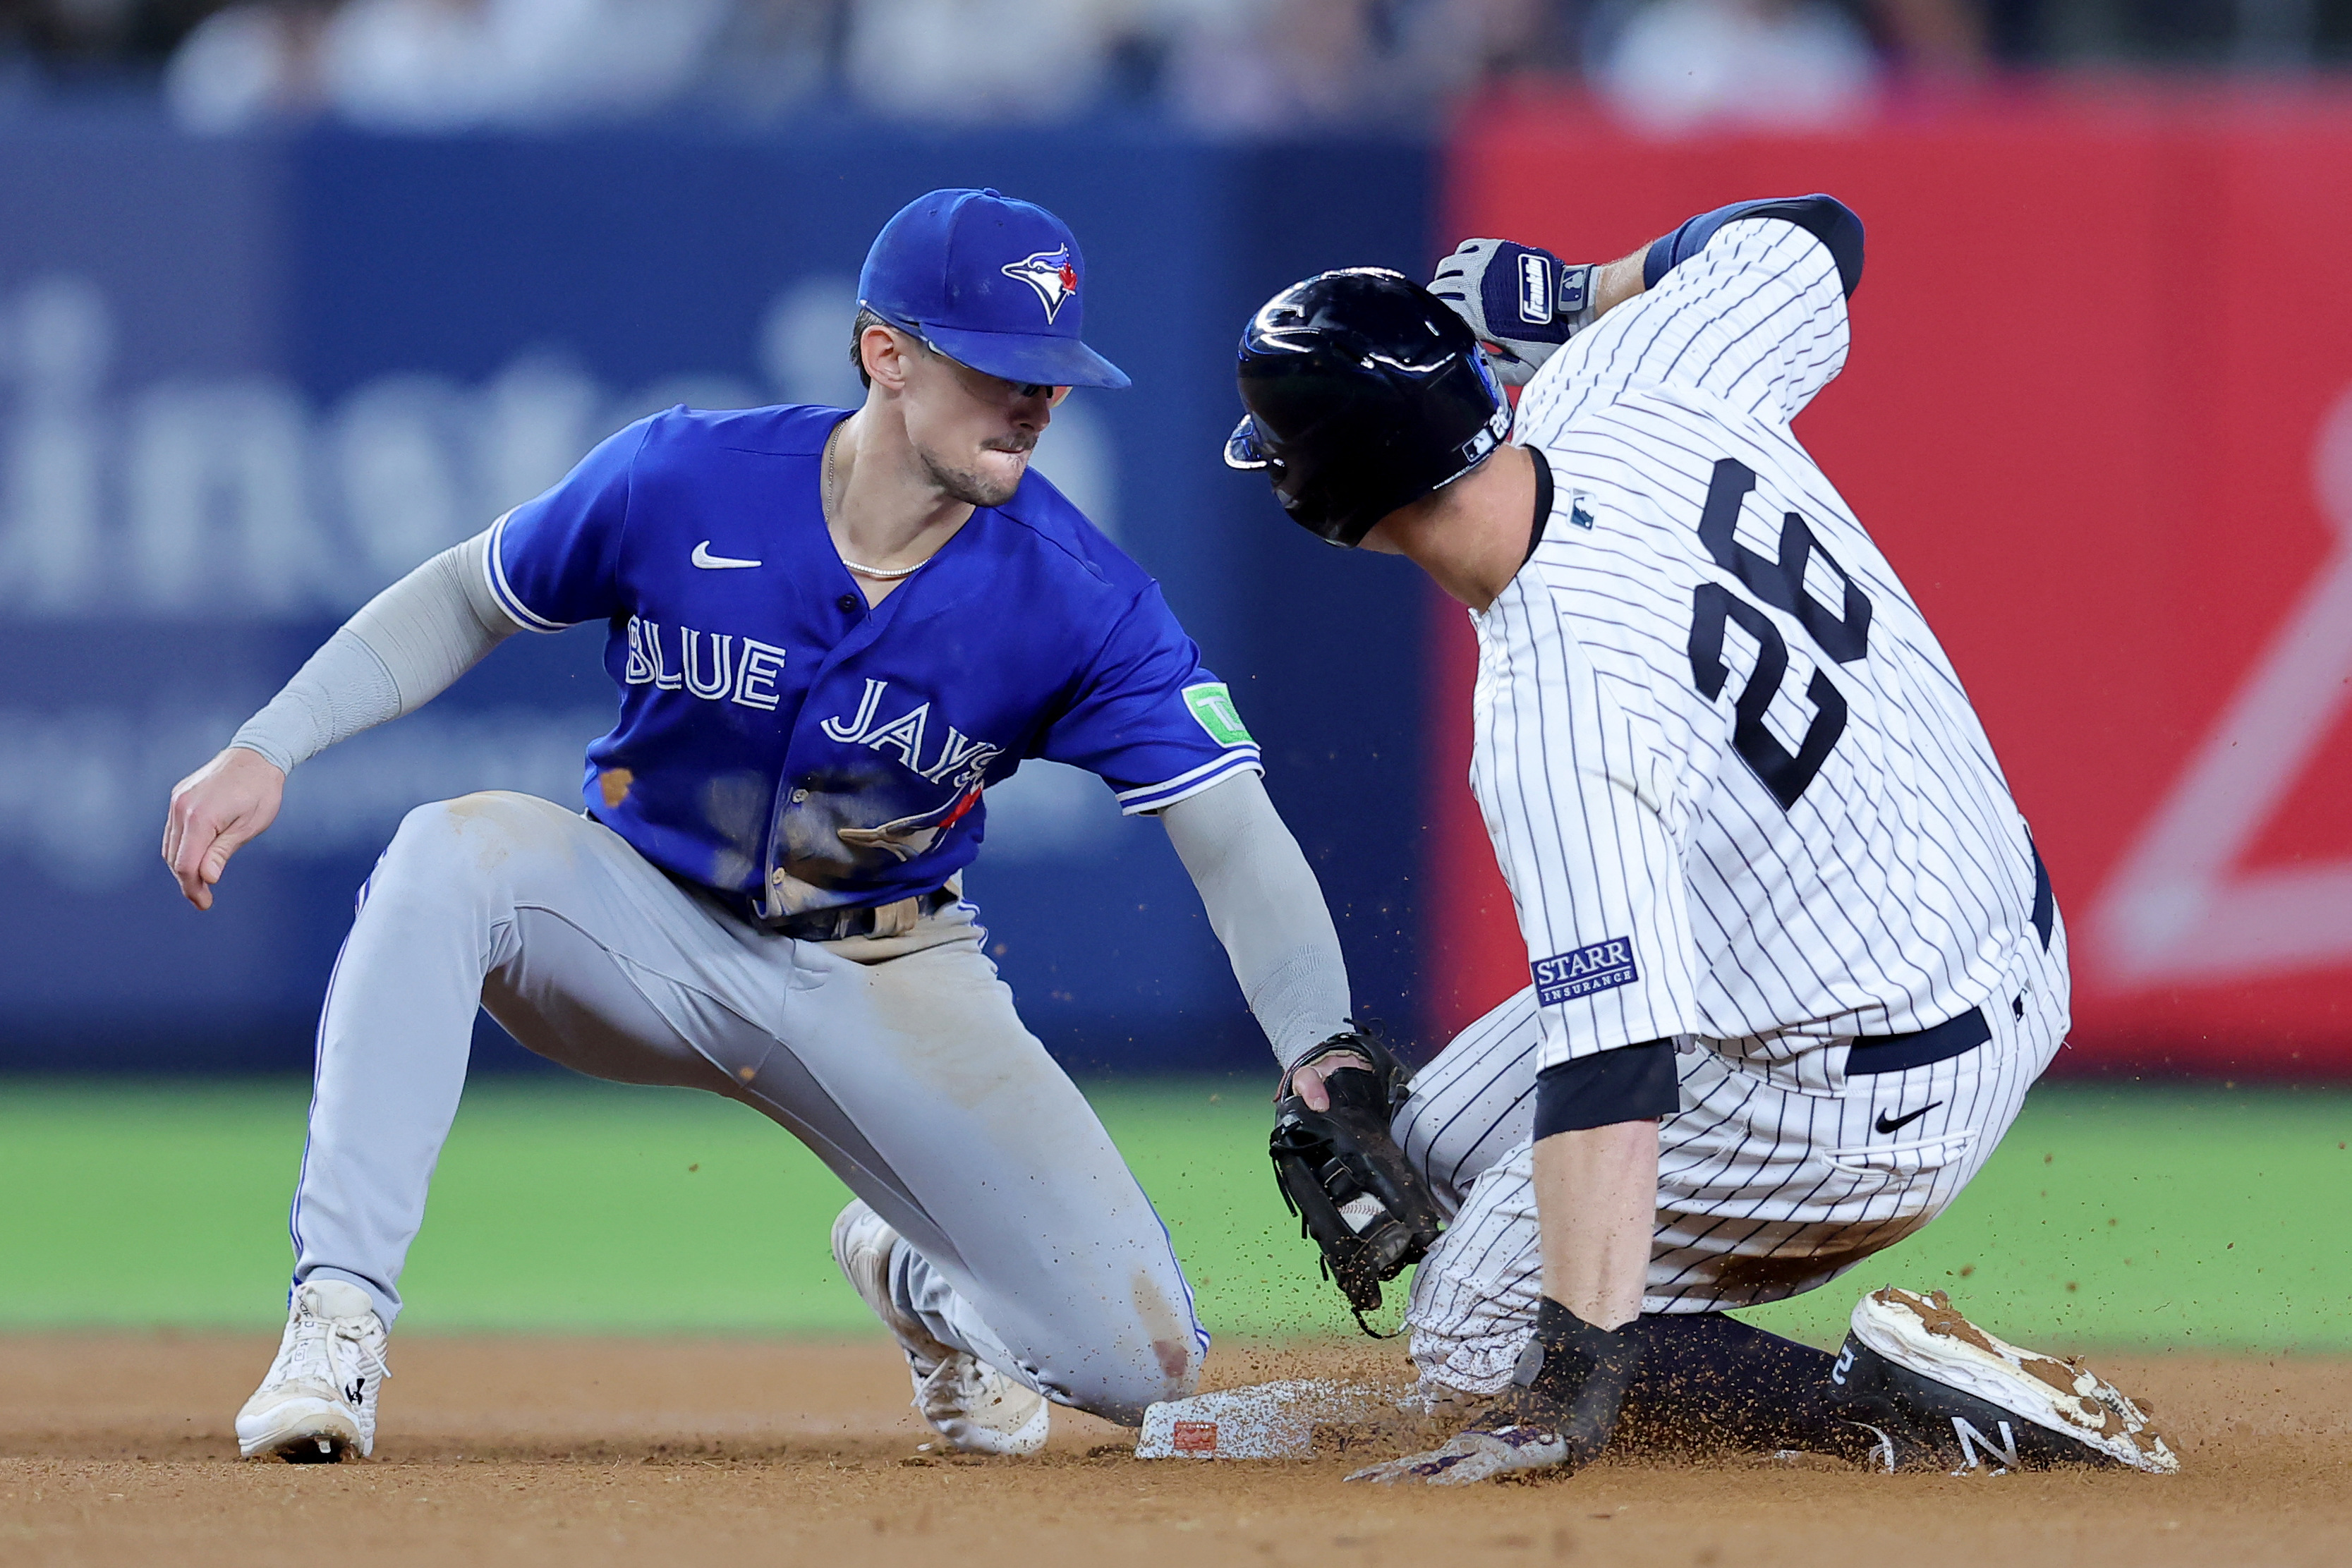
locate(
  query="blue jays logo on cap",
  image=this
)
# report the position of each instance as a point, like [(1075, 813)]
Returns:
[(1051, 273), (941, 270)]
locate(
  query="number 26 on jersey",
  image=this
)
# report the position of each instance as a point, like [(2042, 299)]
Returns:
[(1842, 636)]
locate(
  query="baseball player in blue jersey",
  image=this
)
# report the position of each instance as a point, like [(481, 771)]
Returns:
[(831, 632), (1795, 958)]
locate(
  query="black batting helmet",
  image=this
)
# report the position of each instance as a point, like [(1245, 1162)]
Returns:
[(1364, 393)]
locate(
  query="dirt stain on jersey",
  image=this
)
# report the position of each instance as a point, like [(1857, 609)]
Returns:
[(613, 786)]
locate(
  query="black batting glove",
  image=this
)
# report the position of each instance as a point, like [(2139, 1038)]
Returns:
[(1523, 303), (1559, 1413)]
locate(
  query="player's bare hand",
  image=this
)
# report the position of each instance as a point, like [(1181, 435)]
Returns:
[(1307, 1082), (216, 811)]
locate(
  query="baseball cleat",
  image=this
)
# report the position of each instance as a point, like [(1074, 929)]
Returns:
[(975, 1407), (317, 1403), (1935, 1391)]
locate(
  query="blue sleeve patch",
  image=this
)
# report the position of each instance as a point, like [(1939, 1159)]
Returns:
[(1602, 967)]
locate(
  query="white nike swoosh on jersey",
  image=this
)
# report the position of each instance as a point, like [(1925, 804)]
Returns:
[(708, 562)]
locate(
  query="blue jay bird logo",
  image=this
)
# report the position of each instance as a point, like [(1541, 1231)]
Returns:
[(1052, 273)]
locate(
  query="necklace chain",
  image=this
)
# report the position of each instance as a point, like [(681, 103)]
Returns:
[(877, 573)]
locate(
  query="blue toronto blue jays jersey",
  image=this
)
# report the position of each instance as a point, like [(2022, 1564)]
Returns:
[(781, 742)]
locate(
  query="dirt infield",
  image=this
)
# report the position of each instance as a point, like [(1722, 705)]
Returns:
[(524, 1451)]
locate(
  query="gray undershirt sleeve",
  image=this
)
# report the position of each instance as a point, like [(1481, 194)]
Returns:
[(404, 647), (1266, 907)]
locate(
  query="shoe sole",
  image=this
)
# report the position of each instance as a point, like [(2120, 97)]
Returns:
[(310, 1432), (1930, 1353), (968, 1437)]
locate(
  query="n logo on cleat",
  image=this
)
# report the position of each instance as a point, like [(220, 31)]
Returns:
[(1844, 1365), (356, 1390), (2005, 1451)]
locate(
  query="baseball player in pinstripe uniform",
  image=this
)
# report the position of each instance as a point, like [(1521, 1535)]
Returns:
[(1795, 958)]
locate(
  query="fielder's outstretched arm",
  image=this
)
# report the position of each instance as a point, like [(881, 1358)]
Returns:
[(1266, 907), (404, 648)]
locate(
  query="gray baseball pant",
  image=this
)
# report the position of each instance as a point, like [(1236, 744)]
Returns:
[(899, 1061)]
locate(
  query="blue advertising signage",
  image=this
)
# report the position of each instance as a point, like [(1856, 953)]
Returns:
[(245, 384)]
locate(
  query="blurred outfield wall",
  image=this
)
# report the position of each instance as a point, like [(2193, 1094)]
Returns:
[(2098, 413), (243, 385)]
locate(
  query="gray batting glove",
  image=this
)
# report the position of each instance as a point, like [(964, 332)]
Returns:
[(1523, 303), (1474, 1456)]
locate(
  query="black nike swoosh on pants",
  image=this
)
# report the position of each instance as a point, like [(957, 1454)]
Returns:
[(1900, 1122)]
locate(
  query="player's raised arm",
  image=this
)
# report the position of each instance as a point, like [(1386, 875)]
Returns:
[(1824, 218), (402, 649), (1525, 303), (1783, 329)]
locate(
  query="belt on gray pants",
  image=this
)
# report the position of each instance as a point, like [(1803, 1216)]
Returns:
[(839, 924)]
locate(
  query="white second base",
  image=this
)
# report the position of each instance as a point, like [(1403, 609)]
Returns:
[(1262, 1421)]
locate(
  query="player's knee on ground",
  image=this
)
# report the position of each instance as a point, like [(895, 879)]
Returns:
[(1154, 1355), (1169, 1368), (1107, 1329), (1476, 1359), (1474, 1296), (1161, 1350)]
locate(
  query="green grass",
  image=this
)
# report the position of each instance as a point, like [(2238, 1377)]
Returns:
[(2201, 1217)]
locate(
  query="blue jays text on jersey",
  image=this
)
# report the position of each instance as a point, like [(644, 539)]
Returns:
[(781, 741)]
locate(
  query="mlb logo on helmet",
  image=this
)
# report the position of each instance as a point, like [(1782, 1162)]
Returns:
[(966, 271)]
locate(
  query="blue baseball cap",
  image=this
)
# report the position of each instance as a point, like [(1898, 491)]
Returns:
[(988, 281)]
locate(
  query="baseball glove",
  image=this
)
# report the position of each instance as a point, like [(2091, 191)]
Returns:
[(1343, 1176)]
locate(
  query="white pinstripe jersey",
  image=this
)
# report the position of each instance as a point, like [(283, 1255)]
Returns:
[(1732, 780)]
